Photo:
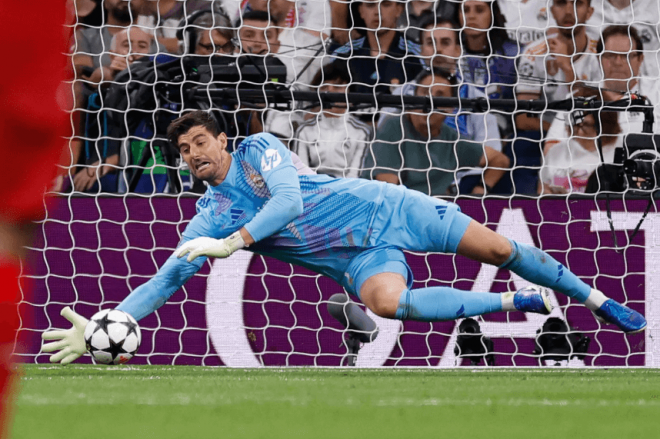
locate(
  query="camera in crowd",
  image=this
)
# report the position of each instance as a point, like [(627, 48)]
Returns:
[(636, 167), (641, 162)]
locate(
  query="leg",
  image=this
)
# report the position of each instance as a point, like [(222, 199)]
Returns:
[(9, 271), (381, 276), (482, 244), (13, 239), (387, 295)]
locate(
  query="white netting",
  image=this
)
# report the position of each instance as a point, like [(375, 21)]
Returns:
[(127, 195)]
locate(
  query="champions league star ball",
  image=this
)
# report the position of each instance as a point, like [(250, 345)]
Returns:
[(112, 336)]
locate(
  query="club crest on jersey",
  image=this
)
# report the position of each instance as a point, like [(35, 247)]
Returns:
[(257, 179), (270, 160)]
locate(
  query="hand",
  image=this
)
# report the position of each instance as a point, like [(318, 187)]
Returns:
[(119, 63), (561, 49), (217, 248), (71, 344), (85, 179)]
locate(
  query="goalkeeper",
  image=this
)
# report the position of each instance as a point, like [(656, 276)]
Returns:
[(262, 198)]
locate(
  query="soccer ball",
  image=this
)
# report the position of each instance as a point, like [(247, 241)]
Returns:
[(112, 336)]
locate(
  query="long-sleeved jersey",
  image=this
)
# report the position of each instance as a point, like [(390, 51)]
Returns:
[(314, 221)]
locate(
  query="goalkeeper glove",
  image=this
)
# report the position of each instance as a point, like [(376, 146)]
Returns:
[(71, 344), (218, 248)]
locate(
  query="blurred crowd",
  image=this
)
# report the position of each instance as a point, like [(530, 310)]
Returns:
[(493, 50)]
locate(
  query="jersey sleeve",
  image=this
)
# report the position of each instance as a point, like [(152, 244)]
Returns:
[(175, 272), (273, 160)]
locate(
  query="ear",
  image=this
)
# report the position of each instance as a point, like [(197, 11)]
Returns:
[(590, 13), (222, 138)]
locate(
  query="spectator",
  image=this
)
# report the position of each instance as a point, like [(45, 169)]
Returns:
[(101, 155), (86, 13), (310, 16), (163, 16), (302, 26), (642, 15), (91, 49), (257, 33), (417, 11), (547, 70), (334, 141), (206, 33), (526, 20), (569, 164), (565, 55), (621, 59), (126, 46), (382, 57), (418, 150), (488, 54), (441, 49)]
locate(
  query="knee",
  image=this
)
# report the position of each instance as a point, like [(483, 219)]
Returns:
[(385, 308), (383, 301)]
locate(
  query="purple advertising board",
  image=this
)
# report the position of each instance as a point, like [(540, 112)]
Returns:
[(252, 311)]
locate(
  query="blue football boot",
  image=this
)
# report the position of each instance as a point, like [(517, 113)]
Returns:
[(628, 320), (532, 299)]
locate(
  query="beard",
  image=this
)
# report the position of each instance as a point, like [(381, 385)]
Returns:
[(122, 14)]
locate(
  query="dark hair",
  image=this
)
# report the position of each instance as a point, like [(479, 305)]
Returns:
[(497, 34), (438, 72), (624, 30), (255, 16), (330, 72), (183, 124), (429, 18), (191, 27)]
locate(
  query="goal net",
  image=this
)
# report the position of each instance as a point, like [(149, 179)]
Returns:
[(127, 196)]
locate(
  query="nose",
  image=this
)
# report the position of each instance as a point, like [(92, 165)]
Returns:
[(194, 152)]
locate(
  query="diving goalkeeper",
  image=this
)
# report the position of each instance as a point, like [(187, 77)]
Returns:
[(263, 199)]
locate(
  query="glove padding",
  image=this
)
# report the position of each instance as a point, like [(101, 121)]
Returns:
[(217, 248), (71, 344)]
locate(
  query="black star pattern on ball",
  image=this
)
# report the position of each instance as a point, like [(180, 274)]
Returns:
[(132, 328), (116, 348), (102, 324)]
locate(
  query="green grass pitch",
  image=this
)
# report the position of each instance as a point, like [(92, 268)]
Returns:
[(202, 402)]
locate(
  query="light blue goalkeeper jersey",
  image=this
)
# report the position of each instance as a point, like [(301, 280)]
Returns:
[(262, 193), (297, 216)]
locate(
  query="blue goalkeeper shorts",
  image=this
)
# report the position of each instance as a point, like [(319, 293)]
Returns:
[(414, 222)]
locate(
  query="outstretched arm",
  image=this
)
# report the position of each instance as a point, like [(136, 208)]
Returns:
[(70, 344), (175, 272), (150, 296)]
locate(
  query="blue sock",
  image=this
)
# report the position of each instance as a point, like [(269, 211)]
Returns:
[(538, 267), (435, 304)]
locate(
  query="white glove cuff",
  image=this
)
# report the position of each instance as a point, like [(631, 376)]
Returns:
[(235, 241)]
